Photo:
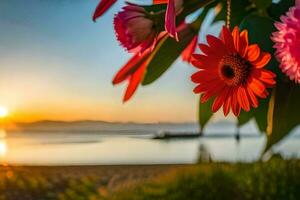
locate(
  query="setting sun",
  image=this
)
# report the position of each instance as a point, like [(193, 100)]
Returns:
[(3, 111)]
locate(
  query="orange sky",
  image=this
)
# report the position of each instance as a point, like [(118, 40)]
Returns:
[(60, 66)]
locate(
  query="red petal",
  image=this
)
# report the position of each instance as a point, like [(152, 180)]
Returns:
[(227, 39), (262, 60), (236, 108), (130, 67), (218, 102), (265, 76), (243, 43), (199, 89), (253, 98), (205, 49), (243, 99), (212, 89), (160, 1), (102, 7), (236, 38), (216, 45), (204, 62), (203, 76), (257, 87), (253, 52), (189, 50), (134, 81), (227, 103), (205, 97)]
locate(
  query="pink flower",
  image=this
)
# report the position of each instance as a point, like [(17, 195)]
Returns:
[(134, 30), (287, 42), (134, 70), (102, 7)]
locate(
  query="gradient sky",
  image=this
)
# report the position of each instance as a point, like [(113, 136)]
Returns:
[(55, 63)]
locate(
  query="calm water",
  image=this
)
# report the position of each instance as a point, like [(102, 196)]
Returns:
[(58, 148)]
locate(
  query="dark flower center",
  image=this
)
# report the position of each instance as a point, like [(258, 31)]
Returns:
[(227, 71), (234, 69)]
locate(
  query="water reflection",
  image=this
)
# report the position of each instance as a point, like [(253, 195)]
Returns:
[(3, 147), (87, 149), (204, 154), (2, 133)]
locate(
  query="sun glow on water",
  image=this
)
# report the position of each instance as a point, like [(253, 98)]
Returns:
[(3, 111)]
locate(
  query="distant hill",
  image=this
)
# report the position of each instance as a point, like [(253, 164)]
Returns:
[(101, 126)]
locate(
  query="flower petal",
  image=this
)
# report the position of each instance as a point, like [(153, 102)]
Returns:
[(265, 76), (243, 43), (252, 96), (257, 87), (170, 20), (134, 81), (236, 38), (203, 77), (236, 108), (130, 67), (227, 39), (204, 62), (216, 44), (187, 53), (218, 102), (262, 60), (227, 103), (253, 52), (243, 99), (102, 7)]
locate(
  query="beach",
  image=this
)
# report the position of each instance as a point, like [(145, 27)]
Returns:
[(39, 182), (121, 182)]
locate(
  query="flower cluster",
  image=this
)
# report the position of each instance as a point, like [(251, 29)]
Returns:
[(287, 43), (232, 72), (139, 31)]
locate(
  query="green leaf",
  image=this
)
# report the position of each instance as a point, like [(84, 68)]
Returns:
[(259, 29), (205, 113), (262, 4), (278, 9), (244, 117), (164, 57), (155, 8), (239, 10), (259, 114), (169, 50), (284, 111)]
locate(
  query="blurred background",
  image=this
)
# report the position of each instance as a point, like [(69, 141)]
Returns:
[(58, 108)]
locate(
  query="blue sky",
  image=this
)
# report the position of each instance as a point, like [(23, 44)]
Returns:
[(55, 63)]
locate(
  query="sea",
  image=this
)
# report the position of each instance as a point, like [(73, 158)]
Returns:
[(102, 143)]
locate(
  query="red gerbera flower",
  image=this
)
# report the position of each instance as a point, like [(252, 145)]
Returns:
[(232, 72)]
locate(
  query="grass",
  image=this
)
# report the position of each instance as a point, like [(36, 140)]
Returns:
[(276, 179), (273, 180)]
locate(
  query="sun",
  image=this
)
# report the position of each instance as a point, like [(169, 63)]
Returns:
[(3, 111)]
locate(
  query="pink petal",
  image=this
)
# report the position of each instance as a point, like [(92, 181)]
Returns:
[(170, 20)]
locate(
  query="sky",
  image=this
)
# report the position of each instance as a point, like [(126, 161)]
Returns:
[(57, 64)]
